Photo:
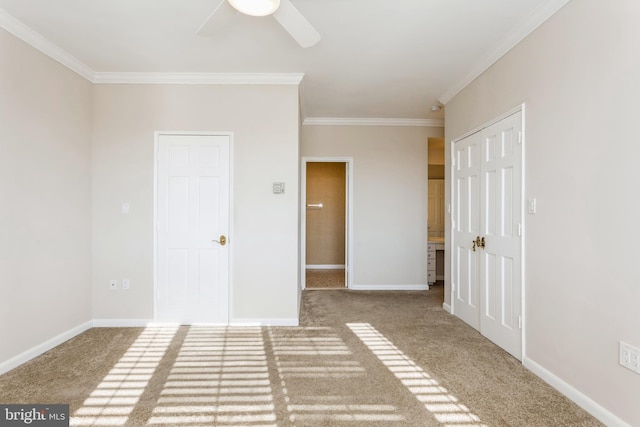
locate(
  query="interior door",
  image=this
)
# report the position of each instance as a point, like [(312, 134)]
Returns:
[(466, 226), (500, 219), (192, 227), (487, 232)]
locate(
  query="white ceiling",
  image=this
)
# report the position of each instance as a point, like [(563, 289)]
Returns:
[(376, 58)]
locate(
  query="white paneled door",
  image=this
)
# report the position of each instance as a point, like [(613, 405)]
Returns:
[(487, 236), (466, 221), (192, 229)]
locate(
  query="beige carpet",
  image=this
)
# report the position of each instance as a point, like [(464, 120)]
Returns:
[(358, 359), (324, 279)]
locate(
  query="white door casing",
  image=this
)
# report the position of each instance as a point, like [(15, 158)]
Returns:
[(349, 257), (487, 203), (192, 213)]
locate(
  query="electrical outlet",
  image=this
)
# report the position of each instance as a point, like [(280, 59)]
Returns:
[(113, 285), (630, 357), (126, 285)]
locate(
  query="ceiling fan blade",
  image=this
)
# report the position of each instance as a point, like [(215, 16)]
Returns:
[(219, 20), (296, 24)]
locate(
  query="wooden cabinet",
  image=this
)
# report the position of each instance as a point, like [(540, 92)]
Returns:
[(432, 249), (435, 218)]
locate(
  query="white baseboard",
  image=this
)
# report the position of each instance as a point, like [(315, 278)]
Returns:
[(446, 307), (265, 322), (36, 351), (574, 394), (325, 266), (420, 287), (121, 323)]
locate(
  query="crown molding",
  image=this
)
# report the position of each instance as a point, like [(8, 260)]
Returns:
[(199, 78), (39, 42), (516, 36), (346, 121)]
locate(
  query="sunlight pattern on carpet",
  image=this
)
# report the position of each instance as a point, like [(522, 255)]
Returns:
[(220, 377), (436, 399), (320, 356), (111, 403)]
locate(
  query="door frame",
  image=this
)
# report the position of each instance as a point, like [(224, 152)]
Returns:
[(452, 212), (348, 161), (156, 146)]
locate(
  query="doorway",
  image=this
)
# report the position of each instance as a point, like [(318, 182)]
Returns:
[(192, 224), (487, 231), (326, 206)]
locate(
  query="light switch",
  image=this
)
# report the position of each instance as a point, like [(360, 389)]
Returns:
[(125, 208), (532, 205)]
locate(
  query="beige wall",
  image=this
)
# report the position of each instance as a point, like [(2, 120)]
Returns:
[(578, 76), (390, 197), (45, 204), (264, 238), (325, 233)]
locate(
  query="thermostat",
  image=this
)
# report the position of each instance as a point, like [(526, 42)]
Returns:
[(278, 188)]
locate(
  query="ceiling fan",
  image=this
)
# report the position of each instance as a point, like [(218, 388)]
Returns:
[(282, 10)]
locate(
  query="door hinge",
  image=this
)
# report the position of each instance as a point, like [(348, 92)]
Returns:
[(519, 322), (519, 229), (519, 137)]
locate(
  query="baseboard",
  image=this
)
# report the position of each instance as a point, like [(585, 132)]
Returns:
[(325, 266), (265, 322), (446, 307), (36, 351), (121, 323), (420, 287), (574, 394)]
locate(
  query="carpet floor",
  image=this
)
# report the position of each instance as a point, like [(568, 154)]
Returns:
[(324, 279), (357, 359)]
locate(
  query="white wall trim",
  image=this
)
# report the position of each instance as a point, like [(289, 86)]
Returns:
[(407, 287), (39, 349), (325, 266), (354, 121), (537, 18), (199, 78), (574, 394), (446, 307), (287, 321), (41, 43), (122, 323)]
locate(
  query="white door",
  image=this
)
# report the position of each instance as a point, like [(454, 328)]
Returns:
[(466, 226), (192, 250), (488, 206), (501, 226)]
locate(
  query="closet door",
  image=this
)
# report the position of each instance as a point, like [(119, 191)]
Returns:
[(500, 225), (487, 232), (466, 226)]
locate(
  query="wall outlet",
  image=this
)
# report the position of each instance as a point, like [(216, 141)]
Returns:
[(630, 357), (126, 285), (113, 285)]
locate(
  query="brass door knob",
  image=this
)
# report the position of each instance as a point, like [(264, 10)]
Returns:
[(478, 243), (222, 241)]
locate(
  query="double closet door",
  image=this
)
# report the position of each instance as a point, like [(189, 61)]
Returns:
[(487, 227)]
